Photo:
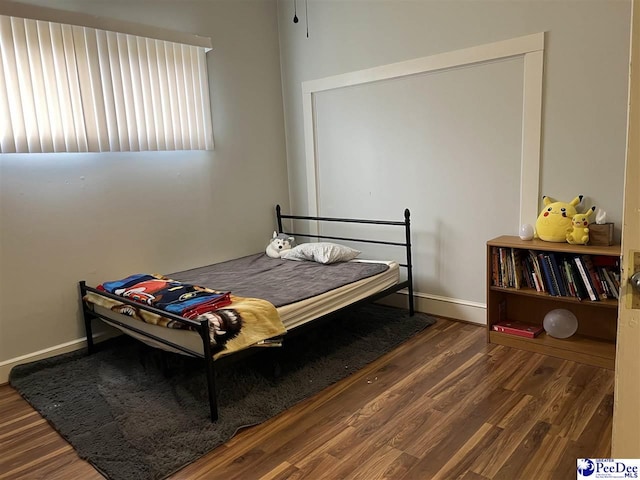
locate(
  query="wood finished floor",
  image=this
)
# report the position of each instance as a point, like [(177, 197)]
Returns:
[(444, 405)]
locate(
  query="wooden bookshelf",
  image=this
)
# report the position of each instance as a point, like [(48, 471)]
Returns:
[(595, 341)]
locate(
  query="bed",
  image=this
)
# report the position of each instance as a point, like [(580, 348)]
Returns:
[(268, 311)]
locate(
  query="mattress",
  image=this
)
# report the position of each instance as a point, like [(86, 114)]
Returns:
[(292, 315)]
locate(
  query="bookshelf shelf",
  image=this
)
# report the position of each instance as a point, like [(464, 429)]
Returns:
[(594, 342), (529, 292)]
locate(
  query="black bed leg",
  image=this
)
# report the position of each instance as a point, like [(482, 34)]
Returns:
[(211, 387), (87, 318), (211, 374)]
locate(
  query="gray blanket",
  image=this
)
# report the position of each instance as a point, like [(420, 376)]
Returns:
[(280, 282)]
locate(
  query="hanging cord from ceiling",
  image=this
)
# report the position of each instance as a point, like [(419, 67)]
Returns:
[(306, 13)]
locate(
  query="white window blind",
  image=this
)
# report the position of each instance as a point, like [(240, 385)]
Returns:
[(67, 88)]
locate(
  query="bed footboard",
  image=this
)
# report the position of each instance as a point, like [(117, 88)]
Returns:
[(202, 327)]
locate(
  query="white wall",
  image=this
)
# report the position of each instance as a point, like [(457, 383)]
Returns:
[(584, 103), (66, 217)]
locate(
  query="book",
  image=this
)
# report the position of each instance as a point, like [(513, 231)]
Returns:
[(615, 276), (518, 328), (571, 284), (537, 274), (545, 265), (556, 274), (609, 269), (509, 269), (609, 279), (502, 257), (603, 282), (536, 280), (581, 290), (517, 268), (527, 273), (495, 276), (595, 279), (586, 279)]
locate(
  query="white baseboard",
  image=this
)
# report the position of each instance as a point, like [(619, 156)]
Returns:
[(80, 343), (438, 306)]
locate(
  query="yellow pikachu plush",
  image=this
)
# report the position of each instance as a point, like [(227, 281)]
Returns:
[(555, 219), (578, 232)]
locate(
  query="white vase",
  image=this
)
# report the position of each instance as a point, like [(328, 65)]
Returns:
[(526, 232)]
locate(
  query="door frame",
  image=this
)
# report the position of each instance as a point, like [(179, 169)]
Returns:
[(625, 442)]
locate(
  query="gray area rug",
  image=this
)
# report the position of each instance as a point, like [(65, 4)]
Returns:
[(134, 415)]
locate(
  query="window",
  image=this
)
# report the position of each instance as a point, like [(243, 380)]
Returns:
[(68, 88)]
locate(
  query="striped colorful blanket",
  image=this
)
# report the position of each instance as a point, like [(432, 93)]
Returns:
[(235, 323), (179, 298)]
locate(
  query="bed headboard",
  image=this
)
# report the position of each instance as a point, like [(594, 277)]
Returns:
[(406, 223)]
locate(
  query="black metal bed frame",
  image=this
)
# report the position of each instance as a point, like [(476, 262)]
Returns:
[(202, 326)]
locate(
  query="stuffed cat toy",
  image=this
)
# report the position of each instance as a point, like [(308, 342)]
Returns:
[(578, 232), (278, 244)]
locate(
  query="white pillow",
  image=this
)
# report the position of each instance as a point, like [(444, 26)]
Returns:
[(321, 252)]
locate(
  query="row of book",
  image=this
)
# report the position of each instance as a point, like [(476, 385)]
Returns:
[(592, 277)]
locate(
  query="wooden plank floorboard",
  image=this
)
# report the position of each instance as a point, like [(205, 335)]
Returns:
[(444, 405), (522, 455), (544, 462), (462, 460)]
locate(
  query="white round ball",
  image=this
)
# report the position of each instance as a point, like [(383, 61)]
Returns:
[(560, 323)]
